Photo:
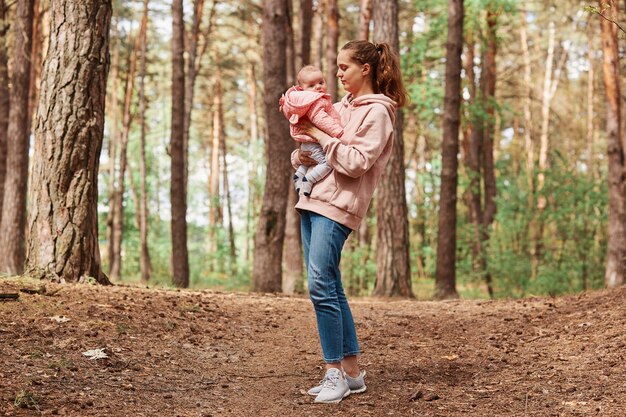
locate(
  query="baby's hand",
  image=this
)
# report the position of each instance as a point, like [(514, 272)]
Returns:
[(305, 158)]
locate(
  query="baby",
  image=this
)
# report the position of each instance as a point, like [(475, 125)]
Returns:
[(309, 101)]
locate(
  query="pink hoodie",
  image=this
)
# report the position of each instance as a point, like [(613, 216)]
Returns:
[(358, 160), (297, 104)]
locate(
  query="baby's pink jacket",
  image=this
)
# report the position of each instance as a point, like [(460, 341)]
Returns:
[(297, 104), (358, 159)]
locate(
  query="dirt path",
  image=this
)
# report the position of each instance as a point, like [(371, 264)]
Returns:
[(179, 353)]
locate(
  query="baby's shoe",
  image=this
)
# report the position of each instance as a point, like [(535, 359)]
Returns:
[(306, 187), (297, 183)]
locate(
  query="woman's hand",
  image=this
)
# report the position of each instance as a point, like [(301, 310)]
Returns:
[(305, 158), (312, 130)]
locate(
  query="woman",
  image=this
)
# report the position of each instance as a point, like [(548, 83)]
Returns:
[(371, 75)]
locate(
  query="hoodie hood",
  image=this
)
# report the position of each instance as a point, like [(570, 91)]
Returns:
[(382, 99)]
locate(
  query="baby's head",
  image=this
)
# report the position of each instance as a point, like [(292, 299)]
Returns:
[(310, 78)]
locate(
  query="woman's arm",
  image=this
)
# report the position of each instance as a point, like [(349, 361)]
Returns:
[(364, 146)]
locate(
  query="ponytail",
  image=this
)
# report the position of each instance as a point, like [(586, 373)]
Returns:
[(385, 65)]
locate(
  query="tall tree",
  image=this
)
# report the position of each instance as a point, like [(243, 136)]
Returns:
[(616, 146), (303, 50), (63, 196), (270, 232), (145, 264), (332, 44), (4, 100), (393, 276), (12, 225), (446, 239), (215, 207), (180, 257), (115, 268)]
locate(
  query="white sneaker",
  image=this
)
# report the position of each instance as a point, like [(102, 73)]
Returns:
[(357, 385), (334, 388)]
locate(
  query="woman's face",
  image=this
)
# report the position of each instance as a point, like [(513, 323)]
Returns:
[(353, 75)]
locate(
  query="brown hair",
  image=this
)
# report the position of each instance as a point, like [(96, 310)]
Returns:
[(385, 64)]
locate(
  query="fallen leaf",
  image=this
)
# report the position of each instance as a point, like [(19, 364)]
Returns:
[(96, 354)]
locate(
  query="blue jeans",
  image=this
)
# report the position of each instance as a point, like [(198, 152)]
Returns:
[(322, 240)]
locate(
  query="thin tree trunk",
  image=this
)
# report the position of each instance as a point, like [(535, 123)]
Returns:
[(270, 231), (145, 264), (63, 197), (118, 218), (528, 120), (616, 245), (4, 101), (12, 225), (214, 178), (291, 45), (35, 59), (365, 17), (113, 105), (489, 175), (590, 106), (317, 44), (332, 44), (393, 276), (254, 138), (303, 53), (190, 81), (180, 257), (446, 242), (231, 230), (292, 247)]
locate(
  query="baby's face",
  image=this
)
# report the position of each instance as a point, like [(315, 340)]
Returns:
[(313, 81)]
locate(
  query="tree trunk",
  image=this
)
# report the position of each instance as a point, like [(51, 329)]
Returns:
[(115, 268), (303, 53), (113, 108), (215, 217), (489, 174), (446, 241), (317, 44), (528, 120), (12, 225), (332, 44), (270, 231), (4, 101), (393, 276), (35, 59), (616, 245), (63, 221), (365, 16), (291, 45), (591, 49), (145, 264), (254, 138), (231, 230), (180, 257), (190, 81)]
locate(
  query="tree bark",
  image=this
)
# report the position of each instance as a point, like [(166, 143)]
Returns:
[(180, 257), (12, 225), (616, 245), (254, 139), (365, 17), (145, 264), (231, 231), (332, 44), (393, 276), (63, 221), (270, 232), (446, 241), (4, 100)]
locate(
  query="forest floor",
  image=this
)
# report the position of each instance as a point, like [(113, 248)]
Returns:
[(204, 353)]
